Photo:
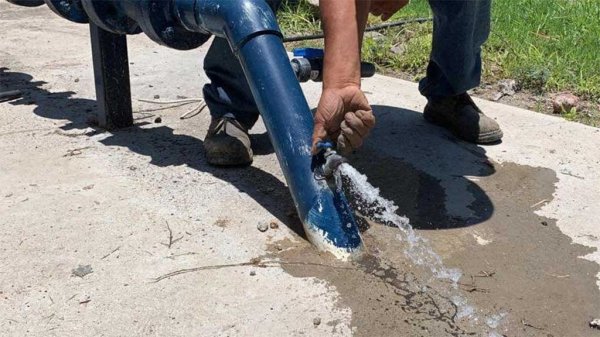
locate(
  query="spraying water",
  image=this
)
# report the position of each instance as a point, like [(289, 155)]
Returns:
[(419, 250)]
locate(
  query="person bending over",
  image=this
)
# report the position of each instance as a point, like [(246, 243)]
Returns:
[(343, 113)]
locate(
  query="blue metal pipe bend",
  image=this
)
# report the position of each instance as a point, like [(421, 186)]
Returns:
[(236, 20), (252, 30)]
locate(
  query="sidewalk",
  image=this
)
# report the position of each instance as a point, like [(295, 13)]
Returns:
[(520, 219)]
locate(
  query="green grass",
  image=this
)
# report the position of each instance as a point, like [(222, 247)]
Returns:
[(546, 45), (300, 18)]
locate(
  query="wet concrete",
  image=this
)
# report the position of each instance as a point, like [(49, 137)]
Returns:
[(515, 264), (539, 277)]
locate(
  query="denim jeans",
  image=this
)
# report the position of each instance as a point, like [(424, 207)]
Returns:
[(460, 27), (228, 90)]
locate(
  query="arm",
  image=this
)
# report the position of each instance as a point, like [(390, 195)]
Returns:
[(386, 8), (343, 113), (343, 24)]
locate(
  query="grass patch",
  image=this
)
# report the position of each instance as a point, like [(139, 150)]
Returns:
[(546, 45), (299, 17)]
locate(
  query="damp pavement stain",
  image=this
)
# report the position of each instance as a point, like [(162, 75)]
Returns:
[(528, 280), (539, 277), (385, 298)]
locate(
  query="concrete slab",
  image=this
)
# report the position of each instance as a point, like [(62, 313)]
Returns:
[(519, 219)]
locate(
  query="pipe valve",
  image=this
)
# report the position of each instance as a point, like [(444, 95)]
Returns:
[(328, 161), (308, 65)]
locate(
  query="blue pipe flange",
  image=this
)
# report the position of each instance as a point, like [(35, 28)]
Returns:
[(69, 9), (160, 22), (110, 16), (27, 3), (236, 20)]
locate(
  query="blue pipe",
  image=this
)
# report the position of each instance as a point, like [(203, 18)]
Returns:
[(328, 220), (252, 31), (251, 28)]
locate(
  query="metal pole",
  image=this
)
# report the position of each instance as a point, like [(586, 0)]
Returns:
[(111, 73)]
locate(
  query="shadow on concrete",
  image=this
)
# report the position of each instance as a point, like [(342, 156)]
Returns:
[(429, 174), (159, 143), (168, 149), (60, 105), (261, 144)]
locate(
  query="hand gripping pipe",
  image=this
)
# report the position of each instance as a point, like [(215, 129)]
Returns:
[(251, 28)]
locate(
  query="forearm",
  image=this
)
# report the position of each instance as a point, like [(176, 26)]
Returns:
[(343, 24)]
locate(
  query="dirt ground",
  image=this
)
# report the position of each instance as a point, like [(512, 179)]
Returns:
[(173, 245), (588, 110)]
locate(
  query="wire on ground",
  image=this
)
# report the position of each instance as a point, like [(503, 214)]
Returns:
[(295, 38)]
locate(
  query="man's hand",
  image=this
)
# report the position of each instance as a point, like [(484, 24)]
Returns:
[(344, 115), (386, 8)]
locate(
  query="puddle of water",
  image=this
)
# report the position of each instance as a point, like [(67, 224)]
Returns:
[(494, 320), (419, 250)]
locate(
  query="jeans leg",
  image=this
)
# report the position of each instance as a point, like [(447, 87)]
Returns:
[(228, 90), (460, 27)]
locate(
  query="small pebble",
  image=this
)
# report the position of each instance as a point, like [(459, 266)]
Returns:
[(274, 225), (564, 103), (317, 321), (82, 271), (156, 96), (544, 223), (76, 80), (595, 324), (508, 87), (262, 226), (158, 120), (379, 273), (253, 273)]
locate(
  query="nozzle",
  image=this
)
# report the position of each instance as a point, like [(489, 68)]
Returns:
[(332, 161), (329, 160)]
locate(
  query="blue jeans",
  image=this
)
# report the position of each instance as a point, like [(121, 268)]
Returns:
[(460, 27), (228, 90)]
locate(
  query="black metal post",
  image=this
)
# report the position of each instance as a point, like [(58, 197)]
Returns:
[(111, 73)]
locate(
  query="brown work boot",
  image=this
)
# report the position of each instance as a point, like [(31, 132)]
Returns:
[(227, 143), (460, 115)]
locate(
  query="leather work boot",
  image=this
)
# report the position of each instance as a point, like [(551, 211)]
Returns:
[(227, 143), (460, 115)]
